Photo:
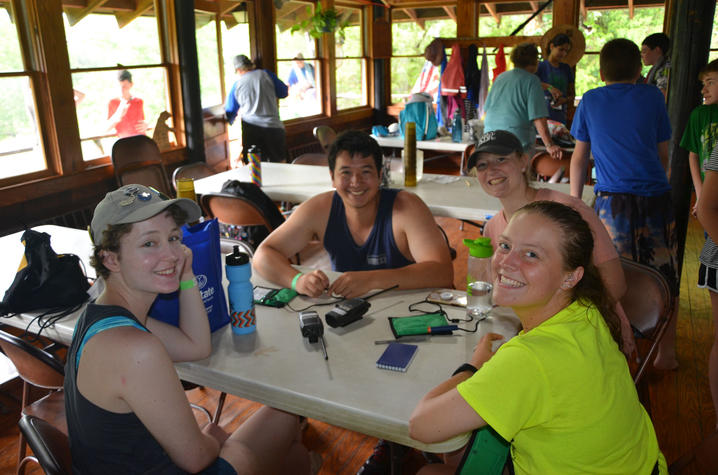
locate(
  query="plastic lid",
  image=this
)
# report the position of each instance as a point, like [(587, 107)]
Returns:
[(236, 258), (479, 247)]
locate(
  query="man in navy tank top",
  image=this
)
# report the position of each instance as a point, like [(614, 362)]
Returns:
[(377, 237)]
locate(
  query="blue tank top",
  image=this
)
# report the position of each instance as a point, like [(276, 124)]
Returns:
[(378, 252)]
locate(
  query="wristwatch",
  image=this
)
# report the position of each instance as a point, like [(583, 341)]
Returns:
[(465, 367)]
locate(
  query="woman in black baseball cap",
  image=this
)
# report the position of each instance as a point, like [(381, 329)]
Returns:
[(503, 171)]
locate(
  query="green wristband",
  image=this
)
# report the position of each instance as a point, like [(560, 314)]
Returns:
[(294, 281), (188, 284)]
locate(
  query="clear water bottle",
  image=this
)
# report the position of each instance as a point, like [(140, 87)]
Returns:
[(239, 290), (478, 277), (457, 129)]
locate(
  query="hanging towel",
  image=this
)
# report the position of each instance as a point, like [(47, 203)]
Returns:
[(452, 80), (484, 85), (500, 62)]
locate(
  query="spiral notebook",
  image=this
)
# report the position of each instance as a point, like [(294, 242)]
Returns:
[(397, 357)]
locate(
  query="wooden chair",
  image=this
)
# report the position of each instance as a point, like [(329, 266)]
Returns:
[(548, 169), (319, 159), (49, 444), (137, 159), (193, 170), (43, 369), (325, 135), (648, 303)]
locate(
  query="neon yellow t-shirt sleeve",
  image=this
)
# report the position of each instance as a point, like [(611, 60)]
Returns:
[(509, 391)]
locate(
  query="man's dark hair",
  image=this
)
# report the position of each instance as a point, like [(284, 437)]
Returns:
[(355, 142), (659, 40), (711, 67), (620, 60), (559, 40), (524, 55), (124, 75)]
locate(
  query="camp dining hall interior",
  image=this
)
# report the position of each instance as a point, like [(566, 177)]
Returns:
[(101, 94)]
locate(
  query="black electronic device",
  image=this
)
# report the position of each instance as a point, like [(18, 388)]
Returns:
[(312, 328), (347, 312)]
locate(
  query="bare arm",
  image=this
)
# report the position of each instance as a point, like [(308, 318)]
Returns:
[(696, 177), (615, 281), (271, 260), (192, 339), (708, 205), (443, 413), (579, 167), (542, 128), (414, 224), (150, 387), (663, 154)]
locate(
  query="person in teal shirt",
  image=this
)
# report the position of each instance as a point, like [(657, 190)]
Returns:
[(516, 102)]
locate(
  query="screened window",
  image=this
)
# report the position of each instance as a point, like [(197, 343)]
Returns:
[(20, 144), (297, 62), (350, 70), (601, 26), (126, 99), (235, 40), (208, 59), (412, 30)]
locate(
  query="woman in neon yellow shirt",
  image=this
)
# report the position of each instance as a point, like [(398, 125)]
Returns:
[(560, 391)]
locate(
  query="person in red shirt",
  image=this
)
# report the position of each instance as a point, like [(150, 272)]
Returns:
[(125, 114)]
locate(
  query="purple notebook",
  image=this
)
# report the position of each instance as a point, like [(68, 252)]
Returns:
[(397, 357)]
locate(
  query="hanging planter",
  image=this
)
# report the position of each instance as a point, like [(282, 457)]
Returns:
[(321, 21)]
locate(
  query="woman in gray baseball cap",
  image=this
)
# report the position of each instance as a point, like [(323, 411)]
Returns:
[(502, 169), (126, 409)]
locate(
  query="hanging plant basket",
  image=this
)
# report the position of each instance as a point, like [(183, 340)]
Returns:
[(321, 21)]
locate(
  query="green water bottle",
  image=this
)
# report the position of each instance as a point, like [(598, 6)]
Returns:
[(478, 277)]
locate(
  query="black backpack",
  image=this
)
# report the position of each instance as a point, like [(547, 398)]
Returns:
[(253, 235)]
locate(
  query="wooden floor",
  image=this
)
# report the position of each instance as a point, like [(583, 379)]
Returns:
[(680, 400)]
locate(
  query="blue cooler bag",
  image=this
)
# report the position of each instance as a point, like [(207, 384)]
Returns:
[(203, 239)]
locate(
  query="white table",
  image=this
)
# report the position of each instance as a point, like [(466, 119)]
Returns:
[(462, 198), (439, 144), (277, 367)]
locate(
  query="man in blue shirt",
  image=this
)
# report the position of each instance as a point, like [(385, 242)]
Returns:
[(255, 93), (626, 127)]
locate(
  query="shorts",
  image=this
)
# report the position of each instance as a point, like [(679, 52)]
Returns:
[(219, 467), (643, 229), (272, 142), (707, 277)]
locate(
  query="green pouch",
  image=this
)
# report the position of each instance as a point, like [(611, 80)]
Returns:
[(487, 453), (273, 297), (416, 324)]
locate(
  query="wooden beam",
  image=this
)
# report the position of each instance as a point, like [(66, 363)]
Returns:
[(411, 13), (492, 10), (491, 41), (74, 15), (631, 9), (225, 6), (467, 18), (534, 6), (583, 10), (124, 19), (450, 11)]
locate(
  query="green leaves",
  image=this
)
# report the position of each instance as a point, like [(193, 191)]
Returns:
[(321, 21)]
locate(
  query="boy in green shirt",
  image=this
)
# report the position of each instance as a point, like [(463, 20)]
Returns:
[(701, 134)]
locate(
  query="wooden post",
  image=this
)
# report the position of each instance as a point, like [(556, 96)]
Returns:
[(379, 41), (565, 12), (261, 34), (692, 23), (467, 18)]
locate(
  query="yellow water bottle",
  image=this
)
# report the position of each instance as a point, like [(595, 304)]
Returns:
[(410, 154), (185, 189)]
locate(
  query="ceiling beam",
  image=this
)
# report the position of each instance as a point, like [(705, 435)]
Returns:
[(492, 10), (534, 5), (411, 13), (74, 15), (450, 11), (124, 19), (630, 9)]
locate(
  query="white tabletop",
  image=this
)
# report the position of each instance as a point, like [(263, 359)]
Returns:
[(277, 367), (440, 143), (445, 195)]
